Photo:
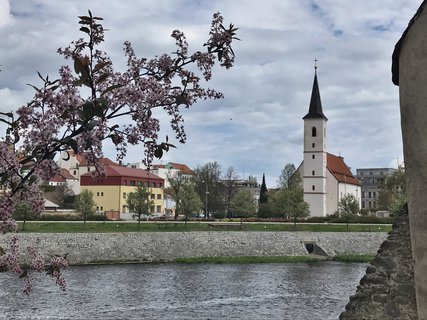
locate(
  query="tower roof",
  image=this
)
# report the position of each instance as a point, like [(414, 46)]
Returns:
[(315, 111)]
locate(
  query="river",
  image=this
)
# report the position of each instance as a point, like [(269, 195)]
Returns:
[(297, 291)]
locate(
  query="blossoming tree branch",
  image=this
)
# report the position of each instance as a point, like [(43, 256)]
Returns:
[(87, 105)]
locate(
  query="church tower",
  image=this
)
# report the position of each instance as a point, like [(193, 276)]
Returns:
[(314, 168)]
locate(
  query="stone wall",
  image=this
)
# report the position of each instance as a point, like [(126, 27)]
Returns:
[(167, 246), (387, 291)]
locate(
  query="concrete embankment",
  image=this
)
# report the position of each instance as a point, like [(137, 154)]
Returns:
[(166, 246)]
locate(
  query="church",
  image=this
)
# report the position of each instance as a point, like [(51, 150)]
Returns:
[(326, 178)]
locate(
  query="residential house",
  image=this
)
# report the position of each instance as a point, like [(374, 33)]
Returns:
[(111, 191)]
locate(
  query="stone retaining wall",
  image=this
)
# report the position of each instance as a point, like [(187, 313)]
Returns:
[(387, 291), (167, 246)]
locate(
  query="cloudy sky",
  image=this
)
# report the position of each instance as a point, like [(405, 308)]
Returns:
[(257, 128)]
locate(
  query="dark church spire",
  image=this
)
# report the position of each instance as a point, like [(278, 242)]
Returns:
[(315, 110)]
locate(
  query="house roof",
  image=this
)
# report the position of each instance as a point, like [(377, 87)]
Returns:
[(182, 167), (340, 170), (398, 46), (81, 159), (315, 110), (62, 176), (119, 171)]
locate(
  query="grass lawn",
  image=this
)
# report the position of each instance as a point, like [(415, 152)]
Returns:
[(60, 227)]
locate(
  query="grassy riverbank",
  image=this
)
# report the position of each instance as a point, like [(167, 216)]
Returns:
[(102, 227)]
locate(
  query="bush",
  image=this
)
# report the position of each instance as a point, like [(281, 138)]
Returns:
[(265, 211), (317, 219)]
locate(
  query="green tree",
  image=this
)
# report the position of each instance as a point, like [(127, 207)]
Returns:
[(348, 207), (23, 212), (243, 204), (229, 180), (263, 198), (207, 181), (289, 177), (188, 201), (393, 196), (139, 202), (176, 182), (85, 205), (290, 204)]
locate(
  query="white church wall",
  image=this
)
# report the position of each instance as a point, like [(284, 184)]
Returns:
[(332, 196)]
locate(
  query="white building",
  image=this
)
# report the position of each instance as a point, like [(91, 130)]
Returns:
[(166, 171), (326, 177)]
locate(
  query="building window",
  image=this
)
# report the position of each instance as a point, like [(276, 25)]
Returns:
[(370, 173), (102, 194), (152, 196), (159, 197), (363, 204), (97, 194), (124, 195), (132, 183), (97, 208), (363, 195), (124, 209), (369, 195), (139, 183), (159, 208), (74, 172), (313, 156), (160, 185), (313, 144), (152, 209), (147, 185), (153, 184), (313, 172), (102, 208), (374, 194), (313, 187), (313, 132), (125, 182), (88, 169), (361, 173)]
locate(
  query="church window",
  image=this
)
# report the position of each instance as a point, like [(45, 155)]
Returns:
[(313, 173), (313, 187), (313, 131), (313, 144), (313, 157)]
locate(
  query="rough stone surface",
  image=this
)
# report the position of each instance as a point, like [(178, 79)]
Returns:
[(167, 246), (387, 291)]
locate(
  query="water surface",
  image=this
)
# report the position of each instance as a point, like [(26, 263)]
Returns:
[(187, 291)]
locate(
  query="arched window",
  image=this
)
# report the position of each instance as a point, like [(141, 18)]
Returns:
[(313, 131)]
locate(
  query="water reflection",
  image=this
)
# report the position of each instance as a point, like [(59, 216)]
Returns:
[(178, 291)]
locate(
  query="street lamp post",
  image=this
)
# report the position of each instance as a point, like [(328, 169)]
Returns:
[(206, 201)]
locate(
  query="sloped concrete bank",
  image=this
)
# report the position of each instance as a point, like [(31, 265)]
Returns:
[(166, 246)]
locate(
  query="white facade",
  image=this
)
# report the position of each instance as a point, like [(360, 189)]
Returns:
[(326, 178)]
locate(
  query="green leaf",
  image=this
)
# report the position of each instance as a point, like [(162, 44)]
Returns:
[(91, 124), (88, 111), (100, 65), (103, 77), (33, 179), (158, 153), (111, 88), (73, 145), (85, 30)]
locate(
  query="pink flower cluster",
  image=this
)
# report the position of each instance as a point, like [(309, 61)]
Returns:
[(95, 103)]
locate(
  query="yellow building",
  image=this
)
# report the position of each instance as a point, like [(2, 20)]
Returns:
[(111, 191)]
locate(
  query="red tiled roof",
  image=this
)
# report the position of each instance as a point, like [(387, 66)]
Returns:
[(62, 176), (182, 167), (81, 158), (118, 171), (66, 174), (340, 170)]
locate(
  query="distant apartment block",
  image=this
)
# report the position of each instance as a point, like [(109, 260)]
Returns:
[(372, 180), (111, 191)]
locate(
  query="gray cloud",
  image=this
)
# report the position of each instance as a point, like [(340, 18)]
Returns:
[(258, 127)]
